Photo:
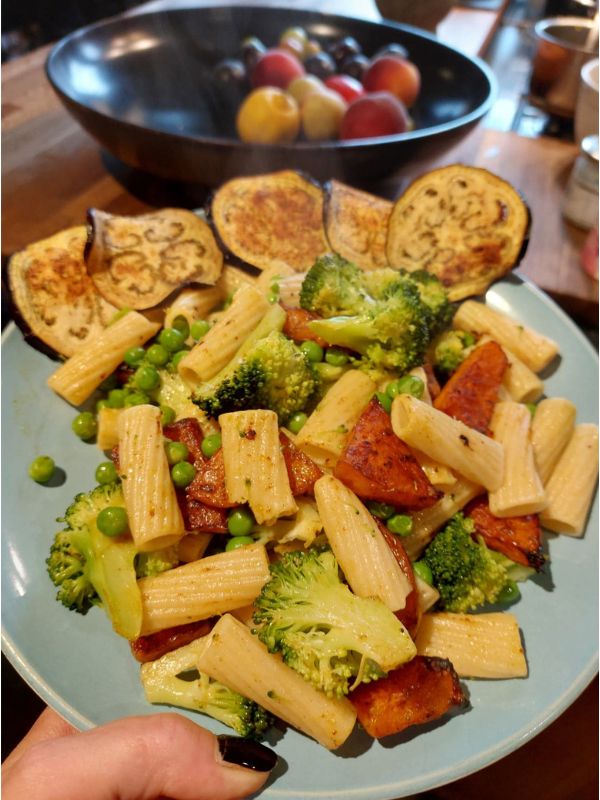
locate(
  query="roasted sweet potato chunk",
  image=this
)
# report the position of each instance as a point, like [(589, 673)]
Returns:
[(409, 615), (201, 518), (377, 465), (472, 392), (302, 470), (518, 538), (296, 326), (420, 691), (155, 645)]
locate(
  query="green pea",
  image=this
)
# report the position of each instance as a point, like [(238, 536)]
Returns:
[(297, 422), (135, 399), (106, 472), (182, 474), (240, 522), (102, 404), (177, 358), (84, 425), (381, 510), (385, 400), (313, 351), (112, 521), (468, 339), (211, 444), (273, 298), (157, 355), (109, 383), (42, 469), (423, 570), (336, 357), (509, 594), (171, 339), (199, 328), (400, 524), (167, 415), (116, 398), (409, 384), (146, 378), (181, 324), (134, 356), (238, 541), (176, 452)]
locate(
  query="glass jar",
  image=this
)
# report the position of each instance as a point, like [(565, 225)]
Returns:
[(581, 198)]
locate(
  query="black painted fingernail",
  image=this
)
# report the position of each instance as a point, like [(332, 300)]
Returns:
[(246, 753)]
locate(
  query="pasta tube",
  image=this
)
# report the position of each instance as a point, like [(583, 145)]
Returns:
[(572, 484), (82, 374), (324, 434), (478, 645), (226, 336), (107, 435), (155, 520), (449, 441), (255, 471), (369, 565), (532, 348), (203, 588), (237, 658), (522, 491), (551, 428), (194, 304)]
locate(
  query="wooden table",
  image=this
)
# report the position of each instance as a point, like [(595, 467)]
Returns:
[(52, 172)]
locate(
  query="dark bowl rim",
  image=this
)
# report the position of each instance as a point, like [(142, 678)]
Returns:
[(292, 147)]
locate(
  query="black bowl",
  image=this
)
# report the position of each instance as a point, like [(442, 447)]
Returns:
[(142, 86)]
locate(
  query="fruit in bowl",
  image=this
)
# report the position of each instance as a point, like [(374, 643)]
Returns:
[(301, 88)]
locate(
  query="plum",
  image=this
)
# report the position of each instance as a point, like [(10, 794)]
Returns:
[(376, 114)]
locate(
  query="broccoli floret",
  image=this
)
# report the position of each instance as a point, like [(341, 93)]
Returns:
[(450, 350), (175, 393), (333, 286), (387, 316), (156, 561), (465, 573), (274, 373), (90, 568), (435, 298), (392, 335), (175, 679), (309, 616)]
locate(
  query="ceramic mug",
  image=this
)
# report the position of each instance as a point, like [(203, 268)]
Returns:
[(586, 109)]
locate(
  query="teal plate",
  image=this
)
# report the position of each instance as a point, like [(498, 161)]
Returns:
[(78, 666)]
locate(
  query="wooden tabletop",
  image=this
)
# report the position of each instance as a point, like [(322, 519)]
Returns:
[(52, 172)]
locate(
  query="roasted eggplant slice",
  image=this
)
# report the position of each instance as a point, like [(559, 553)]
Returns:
[(138, 261), (267, 220), (463, 224), (54, 297), (356, 224)]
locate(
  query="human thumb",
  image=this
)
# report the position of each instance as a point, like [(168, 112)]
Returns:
[(140, 758)]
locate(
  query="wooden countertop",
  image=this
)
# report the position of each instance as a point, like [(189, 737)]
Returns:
[(52, 171)]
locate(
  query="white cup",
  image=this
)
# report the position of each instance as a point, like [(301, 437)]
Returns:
[(586, 109)]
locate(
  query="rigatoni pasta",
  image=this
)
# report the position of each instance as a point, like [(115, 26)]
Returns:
[(449, 441), (532, 348), (255, 471), (324, 435), (478, 645), (522, 491), (572, 484), (107, 436), (199, 590), (237, 658), (520, 382), (155, 520), (81, 374), (552, 427), (223, 340), (359, 547)]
